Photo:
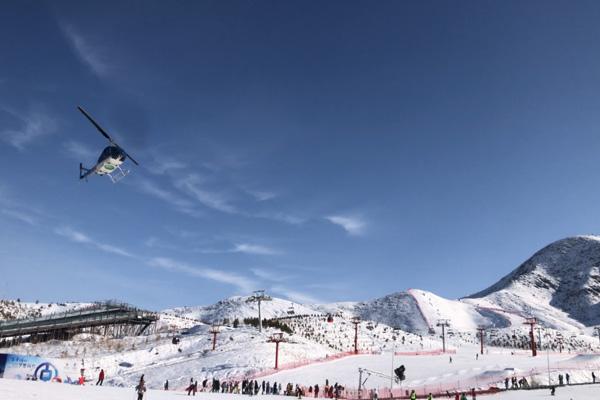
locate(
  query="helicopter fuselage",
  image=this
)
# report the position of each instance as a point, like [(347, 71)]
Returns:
[(110, 159)]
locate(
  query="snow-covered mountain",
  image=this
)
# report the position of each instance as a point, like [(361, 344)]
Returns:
[(239, 307), (560, 284)]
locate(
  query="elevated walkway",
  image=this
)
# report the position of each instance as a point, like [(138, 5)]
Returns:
[(118, 319)]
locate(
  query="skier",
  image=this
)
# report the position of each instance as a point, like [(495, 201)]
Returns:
[(167, 385), (413, 395), (450, 359), (430, 397), (317, 390), (506, 383), (593, 377), (141, 389), (568, 378), (463, 396), (190, 387), (100, 378)]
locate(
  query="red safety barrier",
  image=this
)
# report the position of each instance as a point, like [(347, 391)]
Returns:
[(382, 394), (302, 363)]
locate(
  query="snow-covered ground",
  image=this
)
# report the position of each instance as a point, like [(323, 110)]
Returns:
[(559, 285), (26, 390)]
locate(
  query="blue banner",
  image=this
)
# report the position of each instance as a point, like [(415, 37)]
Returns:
[(17, 366)]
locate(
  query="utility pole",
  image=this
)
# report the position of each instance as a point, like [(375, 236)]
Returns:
[(531, 322), (443, 323), (394, 335), (481, 330), (356, 322), (360, 372), (258, 297), (277, 338), (215, 331)]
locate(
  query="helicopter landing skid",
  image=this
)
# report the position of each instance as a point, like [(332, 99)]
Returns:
[(118, 174)]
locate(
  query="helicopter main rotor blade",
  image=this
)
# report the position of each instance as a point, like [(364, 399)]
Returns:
[(131, 158), (102, 131)]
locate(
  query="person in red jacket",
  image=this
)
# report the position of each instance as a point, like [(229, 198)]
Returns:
[(100, 378)]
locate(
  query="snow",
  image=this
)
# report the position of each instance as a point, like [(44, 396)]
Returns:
[(28, 390), (559, 285)]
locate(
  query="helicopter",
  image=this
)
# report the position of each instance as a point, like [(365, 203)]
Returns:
[(110, 160)]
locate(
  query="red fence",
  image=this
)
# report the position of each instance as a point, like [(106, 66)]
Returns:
[(303, 363), (435, 352)]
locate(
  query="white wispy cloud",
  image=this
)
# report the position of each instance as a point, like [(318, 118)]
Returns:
[(353, 225), (254, 249), (270, 275), (92, 55), (34, 125), (261, 195), (80, 237), (280, 216), (181, 204), (80, 151), (192, 184), (161, 165), (242, 283), (21, 216), (295, 295)]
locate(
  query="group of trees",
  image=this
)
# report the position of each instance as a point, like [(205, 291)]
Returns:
[(269, 323)]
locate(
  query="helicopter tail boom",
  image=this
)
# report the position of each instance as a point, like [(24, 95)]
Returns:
[(84, 172)]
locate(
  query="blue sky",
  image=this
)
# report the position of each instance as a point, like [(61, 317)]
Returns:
[(320, 150)]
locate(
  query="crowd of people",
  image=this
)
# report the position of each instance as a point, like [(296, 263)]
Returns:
[(252, 387)]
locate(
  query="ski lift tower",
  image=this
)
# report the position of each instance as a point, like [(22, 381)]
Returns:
[(215, 329), (481, 330), (559, 340), (356, 322), (258, 297), (277, 338), (532, 321), (444, 323)]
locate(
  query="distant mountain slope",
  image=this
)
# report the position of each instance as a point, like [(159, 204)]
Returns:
[(559, 284), (398, 310), (239, 307), (11, 309)]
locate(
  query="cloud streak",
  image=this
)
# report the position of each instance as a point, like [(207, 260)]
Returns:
[(243, 284), (21, 216), (80, 237), (90, 55), (248, 248), (79, 151), (193, 186), (354, 226), (179, 203), (34, 125), (295, 295)]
